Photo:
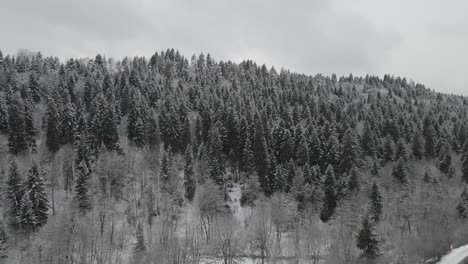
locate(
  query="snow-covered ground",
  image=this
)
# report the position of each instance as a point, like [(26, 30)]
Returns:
[(455, 256)]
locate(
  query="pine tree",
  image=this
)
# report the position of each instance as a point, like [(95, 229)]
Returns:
[(52, 129), (216, 157), (375, 169), (29, 129), (462, 207), (389, 149), (3, 115), (367, 241), (354, 182), (401, 150), (3, 244), (17, 142), (82, 187), (140, 243), (35, 204), (14, 193), (400, 171), (189, 179), (418, 145), (465, 162), (247, 165), (137, 116), (330, 198), (351, 152), (375, 203), (280, 179), (67, 122), (429, 146), (445, 158)]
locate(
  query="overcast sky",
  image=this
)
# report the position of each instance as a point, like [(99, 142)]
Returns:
[(424, 40)]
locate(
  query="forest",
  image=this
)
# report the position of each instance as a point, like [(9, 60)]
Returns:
[(176, 160)]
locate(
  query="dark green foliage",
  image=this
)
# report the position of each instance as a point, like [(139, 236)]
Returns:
[(351, 153), (376, 206), (17, 138), (14, 193), (367, 241), (354, 181), (375, 168), (53, 127), (140, 243), (400, 171), (3, 115), (190, 183), (330, 195), (82, 187), (462, 207), (465, 162), (250, 191), (445, 158), (418, 145), (34, 203), (3, 243)]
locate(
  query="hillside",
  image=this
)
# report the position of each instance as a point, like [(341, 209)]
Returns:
[(166, 160)]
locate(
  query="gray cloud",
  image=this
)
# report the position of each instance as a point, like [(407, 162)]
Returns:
[(423, 40)]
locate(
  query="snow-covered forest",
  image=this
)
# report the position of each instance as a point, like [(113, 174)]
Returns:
[(179, 160)]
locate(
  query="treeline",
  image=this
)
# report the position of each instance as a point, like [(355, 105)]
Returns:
[(321, 140)]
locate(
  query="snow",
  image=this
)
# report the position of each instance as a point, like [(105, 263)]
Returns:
[(456, 256)]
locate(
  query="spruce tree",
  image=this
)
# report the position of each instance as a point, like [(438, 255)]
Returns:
[(367, 241), (190, 183), (216, 157), (14, 193), (462, 207), (35, 203), (53, 128), (445, 158), (351, 152), (465, 162), (17, 142), (140, 240), (29, 129), (400, 171), (375, 168), (418, 145), (330, 196), (389, 149), (401, 150), (3, 115), (375, 203), (82, 187), (354, 182), (247, 161), (3, 244)]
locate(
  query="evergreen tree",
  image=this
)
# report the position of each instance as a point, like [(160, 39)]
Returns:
[(82, 187), (465, 162), (3, 244), (367, 241), (67, 122), (375, 203), (34, 204), (140, 243), (17, 142), (400, 171), (189, 179), (330, 198), (3, 115), (445, 158), (247, 165), (280, 179), (418, 145), (351, 152), (354, 182), (401, 150), (29, 129), (53, 129), (375, 168), (429, 146), (462, 207), (389, 149), (216, 157), (14, 193)]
